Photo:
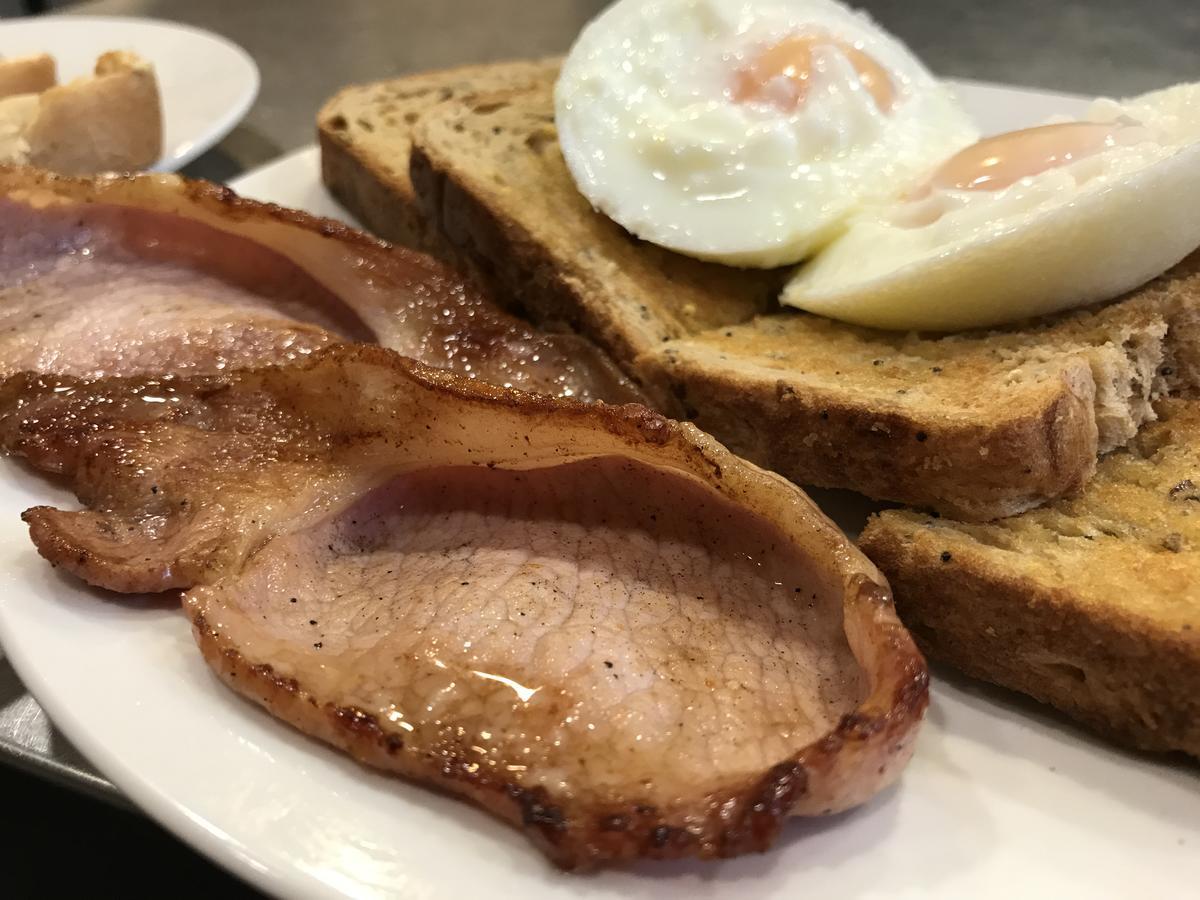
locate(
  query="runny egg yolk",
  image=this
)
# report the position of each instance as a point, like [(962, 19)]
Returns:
[(998, 162), (780, 75)]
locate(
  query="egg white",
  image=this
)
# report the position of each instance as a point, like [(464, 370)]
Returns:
[(1067, 237), (654, 139)]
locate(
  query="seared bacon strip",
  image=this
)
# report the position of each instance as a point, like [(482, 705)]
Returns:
[(592, 621), (157, 274)]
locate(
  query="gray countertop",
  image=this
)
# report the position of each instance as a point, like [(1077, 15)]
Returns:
[(307, 49)]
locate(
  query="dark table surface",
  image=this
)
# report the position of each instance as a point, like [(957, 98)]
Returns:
[(55, 838)]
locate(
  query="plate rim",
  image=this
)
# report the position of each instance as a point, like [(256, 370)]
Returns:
[(219, 848)]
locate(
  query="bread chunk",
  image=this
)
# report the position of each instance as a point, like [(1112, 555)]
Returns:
[(109, 122), (27, 74)]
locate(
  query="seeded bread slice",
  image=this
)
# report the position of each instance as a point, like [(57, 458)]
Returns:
[(488, 173), (978, 426), (1090, 604), (365, 136)]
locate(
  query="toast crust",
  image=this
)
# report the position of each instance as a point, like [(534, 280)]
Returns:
[(975, 467), (547, 294)]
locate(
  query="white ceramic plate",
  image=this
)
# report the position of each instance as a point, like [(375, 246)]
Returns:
[(207, 82), (1001, 799)]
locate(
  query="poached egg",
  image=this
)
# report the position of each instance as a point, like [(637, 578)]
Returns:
[(1023, 224), (746, 133)]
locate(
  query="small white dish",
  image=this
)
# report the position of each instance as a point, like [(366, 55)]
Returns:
[(1003, 798), (207, 82)]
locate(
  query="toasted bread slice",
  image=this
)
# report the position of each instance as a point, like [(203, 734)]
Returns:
[(977, 425), (365, 133), (1090, 604)]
